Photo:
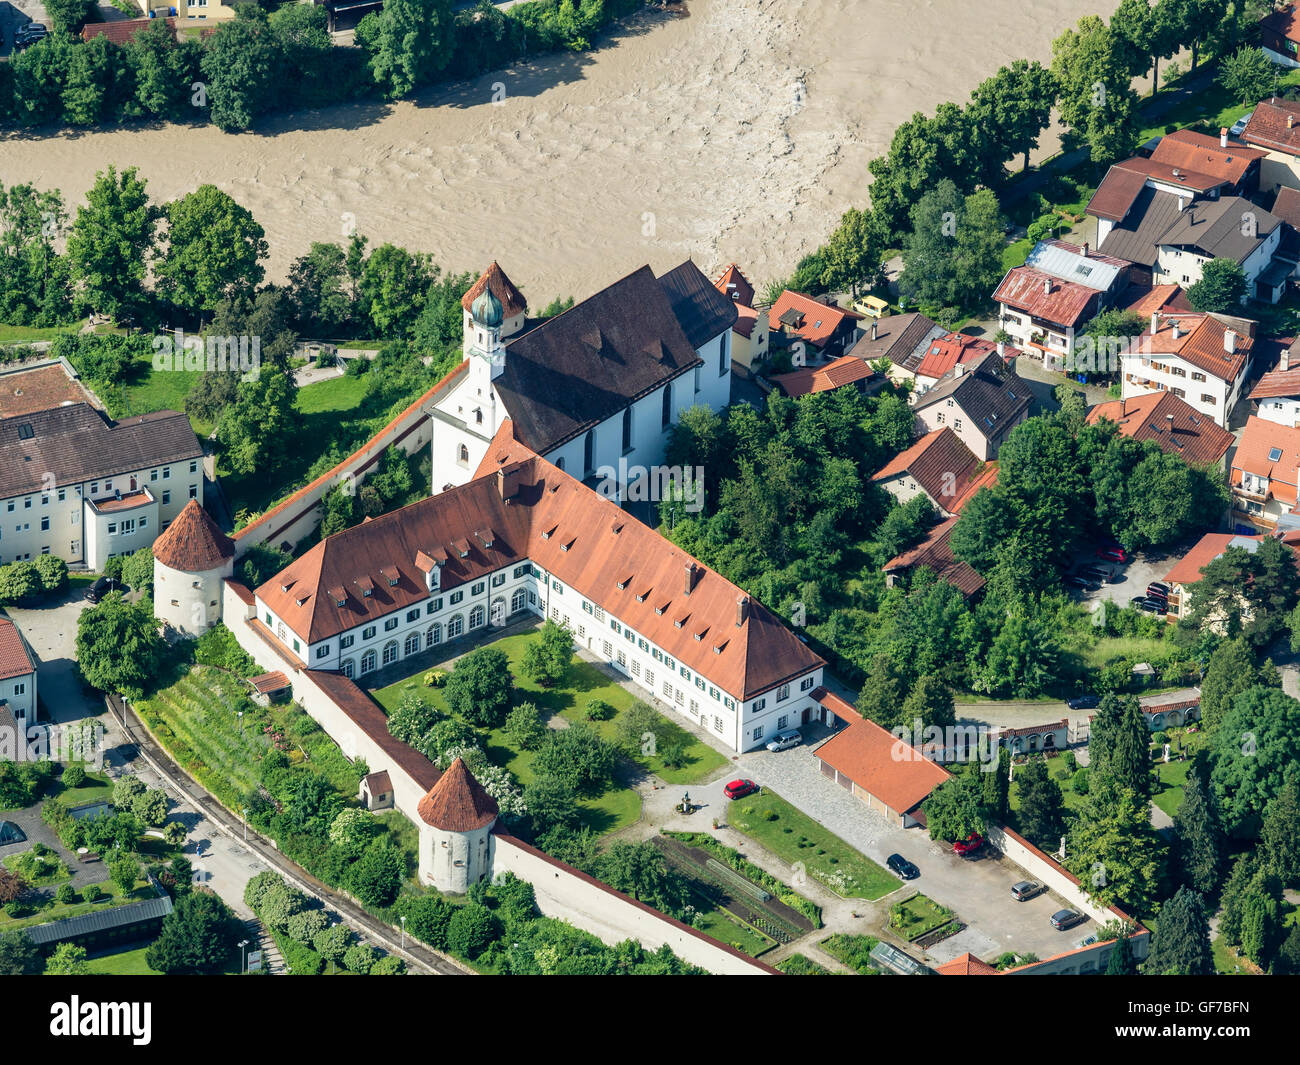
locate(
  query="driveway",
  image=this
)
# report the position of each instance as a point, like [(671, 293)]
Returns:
[(51, 631), (979, 891), (1135, 576)]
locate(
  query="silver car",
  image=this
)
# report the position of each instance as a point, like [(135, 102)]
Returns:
[(783, 741)]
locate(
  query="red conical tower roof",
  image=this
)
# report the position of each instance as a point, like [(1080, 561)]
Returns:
[(458, 802), (193, 543)]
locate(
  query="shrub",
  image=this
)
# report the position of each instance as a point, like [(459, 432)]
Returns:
[(301, 960), (74, 776), (1079, 782), (174, 833), (377, 876), (333, 943), (256, 889), (388, 965), (472, 929), (65, 894), (125, 791), (92, 893), (150, 807), (306, 926), (427, 918), (599, 710), (360, 958), (524, 726)]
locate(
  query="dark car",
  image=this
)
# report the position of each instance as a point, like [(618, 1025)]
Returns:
[(902, 867), (969, 847), (29, 35), (1088, 584), (738, 789), (1026, 890), (1154, 606), (1097, 573), (1063, 919), (1083, 702), (99, 589)]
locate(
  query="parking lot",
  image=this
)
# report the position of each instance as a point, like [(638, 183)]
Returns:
[(1134, 575), (17, 13), (978, 891)]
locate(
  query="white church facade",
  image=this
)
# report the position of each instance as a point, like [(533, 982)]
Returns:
[(594, 389)]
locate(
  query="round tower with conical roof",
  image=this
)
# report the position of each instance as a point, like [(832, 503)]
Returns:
[(190, 560), (456, 819)]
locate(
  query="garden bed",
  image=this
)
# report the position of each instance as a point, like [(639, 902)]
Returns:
[(918, 916), (854, 951)]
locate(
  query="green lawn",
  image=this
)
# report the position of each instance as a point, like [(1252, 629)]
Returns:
[(914, 917), (1227, 962), (854, 951), (1014, 254), (97, 788), (726, 929), (28, 334), (124, 963), (618, 807), (801, 965), (55, 911), (793, 837), (38, 871), (1212, 108)]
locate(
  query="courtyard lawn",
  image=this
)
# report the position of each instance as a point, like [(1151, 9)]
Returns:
[(123, 963), (57, 911), (1058, 769), (38, 870), (31, 334), (97, 788), (618, 807), (793, 837)]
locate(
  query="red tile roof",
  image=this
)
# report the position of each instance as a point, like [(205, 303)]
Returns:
[(1187, 570), (25, 391), (1040, 294), (1171, 422), (117, 503), (121, 30), (512, 300), (743, 291), (945, 352), (945, 468), (1116, 193), (967, 965), (846, 370), (458, 802), (1287, 204), (193, 543), (1275, 124), (266, 683), (528, 509), (1160, 299), (820, 320), (379, 783), (1260, 441), (1198, 152), (935, 553), (1277, 383), (876, 760), (1201, 342), (14, 660)]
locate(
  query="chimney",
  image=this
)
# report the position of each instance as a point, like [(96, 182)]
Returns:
[(508, 481), (742, 610), (1229, 341), (1177, 329), (1182, 204), (1002, 349), (958, 369), (1047, 286), (1170, 419), (1284, 360), (1223, 136), (732, 290), (1290, 121), (1155, 322), (873, 329), (690, 577), (1083, 250)]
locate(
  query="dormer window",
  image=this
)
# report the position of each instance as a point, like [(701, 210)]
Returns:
[(1274, 454)]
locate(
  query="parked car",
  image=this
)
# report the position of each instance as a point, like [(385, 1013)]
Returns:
[(29, 34), (99, 589), (738, 789), (1137, 601), (1063, 919), (1154, 606), (1158, 590), (1083, 702), (1099, 573), (783, 741), (1239, 127), (1112, 553), (902, 867), (968, 847), (1088, 584), (1026, 890)]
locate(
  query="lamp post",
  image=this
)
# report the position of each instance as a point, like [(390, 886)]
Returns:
[(245, 809), (403, 933), (241, 723), (243, 956)]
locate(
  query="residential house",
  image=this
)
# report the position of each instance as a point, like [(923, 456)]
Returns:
[(594, 388), (77, 485), (1280, 36), (947, 351), (1277, 393), (524, 538), (1187, 570), (120, 31), (825, 330), (935, 554), (198, 11), (981, 402), (1172, 423), (1159, 299), (940, 467), (1045, 303), (1186, 151), (1202, 358), (1265, 472), (1274, 128), (750, 332), (844, 371), (17, 678), (902, 339), (1170, 239)]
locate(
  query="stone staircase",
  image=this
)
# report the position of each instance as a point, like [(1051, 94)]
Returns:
[(259, 938)]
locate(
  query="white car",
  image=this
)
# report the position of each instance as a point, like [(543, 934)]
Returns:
[(783, 741), (1239, 127)]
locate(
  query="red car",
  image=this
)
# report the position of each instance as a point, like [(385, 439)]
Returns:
[(1114, 553), (738, 789), (966, 848)]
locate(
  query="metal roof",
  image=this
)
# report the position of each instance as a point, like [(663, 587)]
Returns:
[(1091, 272), (101, 920)]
